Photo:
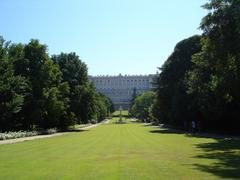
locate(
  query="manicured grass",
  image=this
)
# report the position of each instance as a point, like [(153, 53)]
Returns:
[(124, 113), (121, 151)]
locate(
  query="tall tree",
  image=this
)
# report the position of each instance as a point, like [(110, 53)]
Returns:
[(172, 99), (215, 81), (12, 91), (46, 103), (81, 93)]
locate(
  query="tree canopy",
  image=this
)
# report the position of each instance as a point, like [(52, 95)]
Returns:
[(141, 106), (200, 81), (39, 91)]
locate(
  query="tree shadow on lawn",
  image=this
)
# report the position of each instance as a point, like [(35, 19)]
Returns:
[(75, 130), (168, 131), (226, 153)]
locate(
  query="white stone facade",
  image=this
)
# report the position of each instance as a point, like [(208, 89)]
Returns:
[(120, 88)]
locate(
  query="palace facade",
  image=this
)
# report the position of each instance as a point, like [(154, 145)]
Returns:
[(120, 88)]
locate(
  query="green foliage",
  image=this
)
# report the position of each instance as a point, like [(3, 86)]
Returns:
[(73, 69), (134, 96), (39, 92), (81, 92), (104, 106), (214, 82), (154, 113), (172, 105), (142, 104), (85, 103), (200, 81), (12, 90), (47, 102)]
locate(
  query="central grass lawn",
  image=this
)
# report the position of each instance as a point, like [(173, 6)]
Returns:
[(121, 151), (124, 113)]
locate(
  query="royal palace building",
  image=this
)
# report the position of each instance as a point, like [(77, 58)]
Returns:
[(120, 89)]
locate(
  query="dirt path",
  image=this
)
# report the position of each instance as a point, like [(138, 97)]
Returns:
[(11, 141)]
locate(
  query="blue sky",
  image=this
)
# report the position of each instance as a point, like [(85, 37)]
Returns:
[(110, 36)]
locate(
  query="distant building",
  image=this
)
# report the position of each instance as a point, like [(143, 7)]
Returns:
[(120, 88)]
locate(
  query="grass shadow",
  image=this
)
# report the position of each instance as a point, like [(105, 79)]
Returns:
[(75, 130), (167, 131), (226, 153)]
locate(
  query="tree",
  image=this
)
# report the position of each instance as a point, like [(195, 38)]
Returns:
[(172, 99), (134, 96), (141, 106), (215, 81), (55, 97), (82, 93), (109, 104), (12, 91), (46, 102), (105, 106), (39, 92), (73, 69)]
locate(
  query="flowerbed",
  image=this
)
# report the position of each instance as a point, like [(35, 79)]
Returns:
[(21, 134)]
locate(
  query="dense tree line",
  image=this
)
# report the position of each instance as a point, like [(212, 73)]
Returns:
[(173, 101), (200, 81), (39, 91), (214, 82)]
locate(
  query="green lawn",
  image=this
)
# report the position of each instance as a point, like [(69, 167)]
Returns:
[(124, 113), (121, 151)]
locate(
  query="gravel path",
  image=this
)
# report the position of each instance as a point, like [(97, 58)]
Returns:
[(11, 141)]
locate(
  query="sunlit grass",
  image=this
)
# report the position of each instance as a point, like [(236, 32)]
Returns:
[(124, 113), (121, 151)]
